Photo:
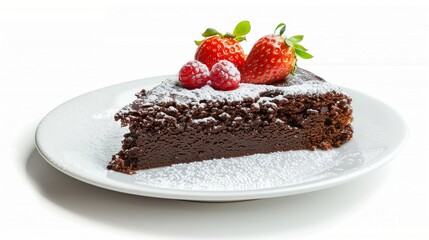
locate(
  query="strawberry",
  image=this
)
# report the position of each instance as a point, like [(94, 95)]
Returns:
[(217, 46), (273, 57), (224, 76), (194, 74)]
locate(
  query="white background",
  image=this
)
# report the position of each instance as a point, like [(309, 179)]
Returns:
[(51, 51)]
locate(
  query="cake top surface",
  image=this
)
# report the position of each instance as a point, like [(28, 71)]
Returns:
[(302, 83)]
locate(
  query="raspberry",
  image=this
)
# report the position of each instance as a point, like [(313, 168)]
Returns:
[(224, 76), (194, 74)]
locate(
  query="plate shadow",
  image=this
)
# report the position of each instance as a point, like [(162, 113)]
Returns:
[(175, 218)]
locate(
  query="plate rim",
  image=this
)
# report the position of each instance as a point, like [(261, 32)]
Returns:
[(230, 195)]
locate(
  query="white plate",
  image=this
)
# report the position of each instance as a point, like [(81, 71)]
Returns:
[(80, 136)]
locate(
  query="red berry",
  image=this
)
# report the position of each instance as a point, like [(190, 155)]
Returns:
[(217, 48), (194, 74), (273, 57), (224, 76), (270, 60)]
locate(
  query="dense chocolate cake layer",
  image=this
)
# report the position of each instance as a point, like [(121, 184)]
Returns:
[(170, 124)]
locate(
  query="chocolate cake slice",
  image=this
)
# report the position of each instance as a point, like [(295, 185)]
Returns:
[(171, 124)]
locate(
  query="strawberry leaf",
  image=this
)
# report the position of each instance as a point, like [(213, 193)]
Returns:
[(294, 69), (296, 39), (198, 42), (228, 35), (289, 43), (210, 32), (240, 38), (299, 47), (241, 29), (303, 54)]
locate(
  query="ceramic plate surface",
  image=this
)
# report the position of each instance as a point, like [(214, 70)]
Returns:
[(80, 136)]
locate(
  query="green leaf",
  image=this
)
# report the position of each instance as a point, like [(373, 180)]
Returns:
[(240, 38), (241, 29), (294, 69), (228, 35), (289, 43), (282, 27), (299, 47), (198, 42), (210, 32), (296, 39), (303, 54)]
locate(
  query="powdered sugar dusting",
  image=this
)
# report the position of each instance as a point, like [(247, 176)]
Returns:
[(229, 68), (207, 119), (259, 171), (303, 83)]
